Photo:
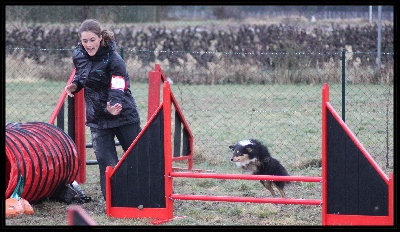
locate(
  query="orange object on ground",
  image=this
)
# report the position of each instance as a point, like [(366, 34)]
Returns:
[(16, 207), (13, 207)]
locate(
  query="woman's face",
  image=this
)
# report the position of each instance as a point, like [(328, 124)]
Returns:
[(91, 42)]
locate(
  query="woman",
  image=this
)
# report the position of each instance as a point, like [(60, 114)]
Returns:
[(110, 108)]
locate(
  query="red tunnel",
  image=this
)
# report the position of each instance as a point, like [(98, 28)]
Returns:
[(43, 154)]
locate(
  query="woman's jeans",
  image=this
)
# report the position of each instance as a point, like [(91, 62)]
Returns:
[(103, 141)]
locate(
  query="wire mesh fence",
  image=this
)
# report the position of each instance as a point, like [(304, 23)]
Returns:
[(273, 97)]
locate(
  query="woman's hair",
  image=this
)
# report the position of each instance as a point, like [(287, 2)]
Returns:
[(95, 27)]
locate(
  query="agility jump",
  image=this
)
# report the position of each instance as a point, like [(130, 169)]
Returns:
[(140, 185), (135, 190), (355, 190)]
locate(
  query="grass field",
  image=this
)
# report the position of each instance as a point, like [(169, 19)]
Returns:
[(205, 108)]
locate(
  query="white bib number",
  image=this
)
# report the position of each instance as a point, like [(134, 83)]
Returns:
[(118, 82)]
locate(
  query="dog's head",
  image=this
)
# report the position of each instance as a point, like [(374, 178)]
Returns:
[(244, 152)]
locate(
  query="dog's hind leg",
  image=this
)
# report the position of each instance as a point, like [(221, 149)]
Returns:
[(280, 190), (267, 185)]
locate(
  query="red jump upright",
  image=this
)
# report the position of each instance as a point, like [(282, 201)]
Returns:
[(355, 190)]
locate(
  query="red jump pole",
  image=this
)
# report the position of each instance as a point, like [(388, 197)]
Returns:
[(246, 177), (246, 199)]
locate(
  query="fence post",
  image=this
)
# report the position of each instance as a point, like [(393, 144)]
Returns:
[(343, 84)]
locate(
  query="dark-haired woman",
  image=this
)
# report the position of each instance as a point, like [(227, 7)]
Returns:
[(111, 110)]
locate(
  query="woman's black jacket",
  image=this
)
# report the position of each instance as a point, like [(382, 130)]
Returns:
[(94, 73)]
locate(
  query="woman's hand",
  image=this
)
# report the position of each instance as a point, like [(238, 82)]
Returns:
[(70, 88), (115, 109)]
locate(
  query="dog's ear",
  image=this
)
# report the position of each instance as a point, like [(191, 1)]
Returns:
[(232, 147)]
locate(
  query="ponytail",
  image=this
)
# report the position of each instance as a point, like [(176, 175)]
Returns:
[(107, 36)]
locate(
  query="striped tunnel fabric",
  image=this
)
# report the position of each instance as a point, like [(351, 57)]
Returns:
[(43, 154)]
